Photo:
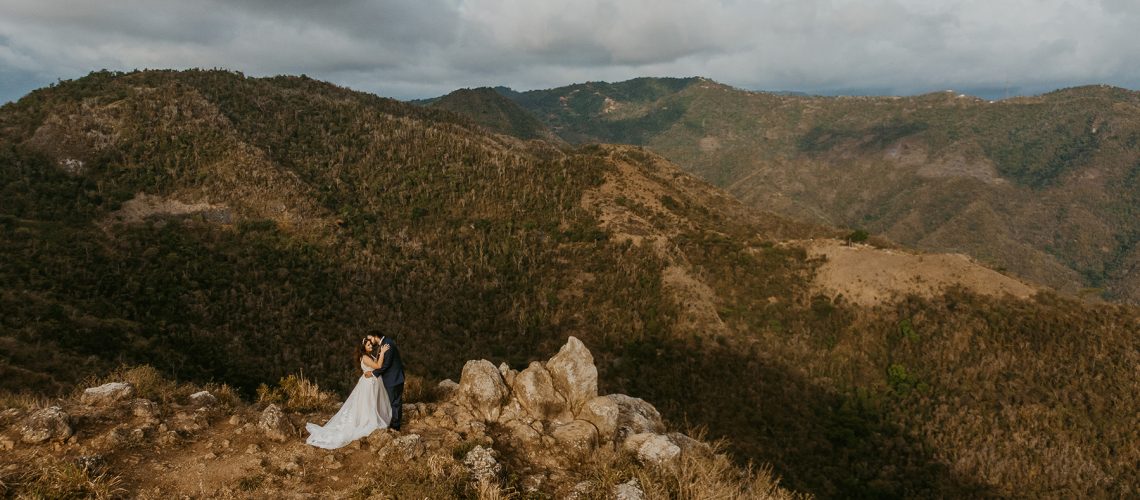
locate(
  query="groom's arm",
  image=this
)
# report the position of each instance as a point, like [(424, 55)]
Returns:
[(386, 363)]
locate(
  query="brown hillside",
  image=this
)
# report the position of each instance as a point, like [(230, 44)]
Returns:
[(237, 230)]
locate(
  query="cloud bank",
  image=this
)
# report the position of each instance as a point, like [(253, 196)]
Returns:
[(421, 48)]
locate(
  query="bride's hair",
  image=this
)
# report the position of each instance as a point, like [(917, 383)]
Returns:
[(360, 351)]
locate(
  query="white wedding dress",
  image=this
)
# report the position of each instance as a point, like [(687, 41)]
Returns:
[(366, 409)]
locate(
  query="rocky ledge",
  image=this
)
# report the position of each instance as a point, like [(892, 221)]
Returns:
[(542, 432)]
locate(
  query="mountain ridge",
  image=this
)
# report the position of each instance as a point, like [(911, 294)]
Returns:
[(1025, 164), (267, 223)]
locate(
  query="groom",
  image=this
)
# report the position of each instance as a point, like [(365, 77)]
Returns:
[(391, 372)]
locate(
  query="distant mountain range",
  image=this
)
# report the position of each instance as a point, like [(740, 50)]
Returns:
[(1046, 188), (236, 230)]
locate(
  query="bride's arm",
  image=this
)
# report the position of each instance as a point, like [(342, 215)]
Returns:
[(375, 364), (367, 360)]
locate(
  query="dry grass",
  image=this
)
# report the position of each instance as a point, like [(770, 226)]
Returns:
[(55, 479), (296, 393)]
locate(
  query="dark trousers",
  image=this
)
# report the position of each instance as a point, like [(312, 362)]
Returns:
[(396, 397)]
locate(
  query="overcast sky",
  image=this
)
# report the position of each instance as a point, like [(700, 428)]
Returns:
[(421, 48)]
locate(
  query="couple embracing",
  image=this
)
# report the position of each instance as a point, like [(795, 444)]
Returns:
[(375, 402)]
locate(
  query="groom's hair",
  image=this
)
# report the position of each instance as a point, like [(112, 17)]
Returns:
[(378, 333)]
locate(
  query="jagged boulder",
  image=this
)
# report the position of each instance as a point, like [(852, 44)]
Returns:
[(482, 465), (635, 416), (534, 390), (573, 374), (45, 425), (109, 393), (652, 449), (482, 390), (508, 373), (604, 413), (274, 424)]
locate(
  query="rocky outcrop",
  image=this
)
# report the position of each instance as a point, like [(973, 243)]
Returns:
[(498, 430), (48, 424), (109, 393), (554, 405)]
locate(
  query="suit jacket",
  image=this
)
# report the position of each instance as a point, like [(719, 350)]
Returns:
[(391, 369)]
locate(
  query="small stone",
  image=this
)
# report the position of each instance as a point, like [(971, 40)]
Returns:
[(481, 465), (6, 444), (236, 420), (203, 398), (409, 447), (533, 483), (629, 490), (274, 424), (652, 449), (93, 464), (47, 424), (253, 449), (210, 456), (144, 408), (108, 393)]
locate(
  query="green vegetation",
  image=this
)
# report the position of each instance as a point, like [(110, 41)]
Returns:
[(349, 212), (490, 109), (1031, 184)]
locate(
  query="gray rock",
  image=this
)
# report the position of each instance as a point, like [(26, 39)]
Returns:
[(635, 416), (409, 447), (573, 374), (521, 432), (447, 387), (144, 408), (629, 490), (47, 424), (508, 374), (274, 424), (188, 423), (203, 398), (603, 412), (109, 393), (652, 449), (481, 464), (534, 390), (578, 435), (481, 389), (688, 444)]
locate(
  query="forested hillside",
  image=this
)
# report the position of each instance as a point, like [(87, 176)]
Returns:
[(1045, 187), (235, 230)]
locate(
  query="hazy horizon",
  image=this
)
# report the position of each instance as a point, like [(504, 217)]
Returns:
[(429, 48)]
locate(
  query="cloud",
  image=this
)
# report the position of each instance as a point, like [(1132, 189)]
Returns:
[(427, 47)]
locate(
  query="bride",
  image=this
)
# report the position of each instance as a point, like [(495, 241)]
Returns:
[(366, 409)]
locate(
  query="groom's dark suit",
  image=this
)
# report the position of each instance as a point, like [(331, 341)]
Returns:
[(391, 372)]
